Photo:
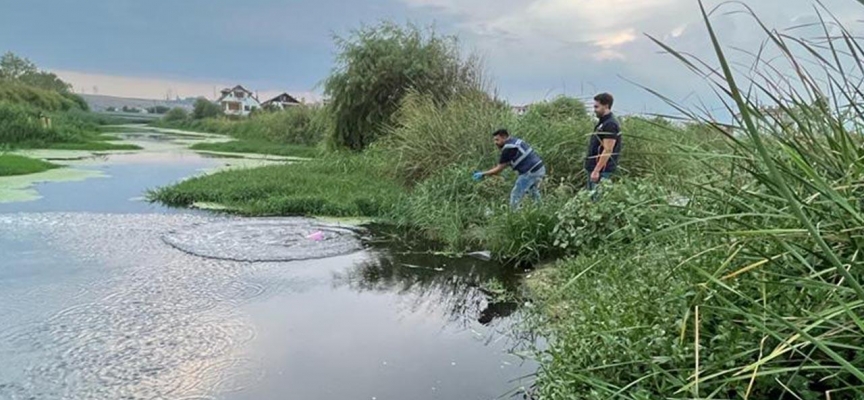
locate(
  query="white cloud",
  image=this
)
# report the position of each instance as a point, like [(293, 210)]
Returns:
[(560, 43), (677, 32), (551, 23), (616, 39)]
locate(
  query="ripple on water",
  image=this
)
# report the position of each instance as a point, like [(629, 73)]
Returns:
[(262, 240), (151, 322)]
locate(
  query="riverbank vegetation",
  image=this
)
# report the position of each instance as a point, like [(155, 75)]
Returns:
[(340, 186), (38, 110), (723, 262), (27, 127), (11, 164), (295, 131)]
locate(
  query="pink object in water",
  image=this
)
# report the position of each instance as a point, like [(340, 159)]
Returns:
[(317, 236)]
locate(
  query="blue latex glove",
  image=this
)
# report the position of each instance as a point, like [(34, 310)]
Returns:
[(477, 176)]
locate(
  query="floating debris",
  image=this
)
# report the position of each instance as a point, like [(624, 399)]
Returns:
[(481, 255), (412, 266), (317, 236)]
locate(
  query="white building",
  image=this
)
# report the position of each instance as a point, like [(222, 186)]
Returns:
[(519, 110), (238, 101), (281, 102)]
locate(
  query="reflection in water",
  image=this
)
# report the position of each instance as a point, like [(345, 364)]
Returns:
[(465, 289)]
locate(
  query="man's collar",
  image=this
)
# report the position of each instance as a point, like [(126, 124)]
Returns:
[(606, 117)]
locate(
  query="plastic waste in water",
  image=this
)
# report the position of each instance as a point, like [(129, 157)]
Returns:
[(481, 255), (317, 236)]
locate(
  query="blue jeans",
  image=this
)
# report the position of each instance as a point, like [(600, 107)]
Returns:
[(527, 183), (595, 186)]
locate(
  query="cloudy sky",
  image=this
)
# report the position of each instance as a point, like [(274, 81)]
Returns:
[(533, 49)]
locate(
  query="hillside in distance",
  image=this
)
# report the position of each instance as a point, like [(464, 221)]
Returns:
[(100, 102)]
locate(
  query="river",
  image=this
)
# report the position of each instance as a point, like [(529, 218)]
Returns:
[(99, 298)]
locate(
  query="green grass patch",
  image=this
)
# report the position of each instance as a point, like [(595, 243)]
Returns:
[(258, 147), (344, 187), (11, 164)]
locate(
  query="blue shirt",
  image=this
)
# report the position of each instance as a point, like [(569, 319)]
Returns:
[(514, 149), (607, 128)]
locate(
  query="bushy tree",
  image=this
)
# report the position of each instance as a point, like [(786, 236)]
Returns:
[(14, 67), (46, 80), (158, 109), (204, 108), (378, 65), (77, 100), (176, 114)]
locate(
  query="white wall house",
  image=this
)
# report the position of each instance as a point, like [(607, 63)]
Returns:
[(238, 101), (519, 110), (281, 102)]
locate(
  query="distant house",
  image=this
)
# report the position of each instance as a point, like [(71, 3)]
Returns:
[(238, 101), (281, 102), (519, 110)]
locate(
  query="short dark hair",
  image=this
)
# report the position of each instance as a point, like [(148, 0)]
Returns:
[(605, 99), (500, 132)]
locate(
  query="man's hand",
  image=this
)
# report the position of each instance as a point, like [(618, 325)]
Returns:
[(477, 176), (595, 176)]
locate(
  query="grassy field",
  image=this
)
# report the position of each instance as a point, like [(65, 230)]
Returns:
[(11, 164), (258, 147)]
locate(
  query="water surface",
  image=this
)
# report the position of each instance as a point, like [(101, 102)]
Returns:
[(94, 304)]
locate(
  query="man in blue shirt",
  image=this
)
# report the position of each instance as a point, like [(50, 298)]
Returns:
[(518, 155), (605, 144)]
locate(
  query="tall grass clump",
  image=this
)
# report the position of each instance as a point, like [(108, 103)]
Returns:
[(427, 137), (377, 66), (23, 126), (756, 293), (672, 152), (20, 123), (451, 209), (558, 130)]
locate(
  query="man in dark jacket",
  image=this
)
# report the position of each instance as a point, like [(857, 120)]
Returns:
[(517, 154), (604, 146)]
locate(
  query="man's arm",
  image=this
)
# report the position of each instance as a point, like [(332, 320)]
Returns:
[(495, 170), (608, 148)]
